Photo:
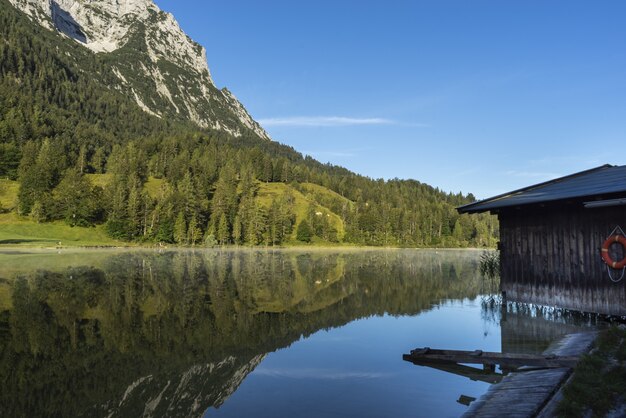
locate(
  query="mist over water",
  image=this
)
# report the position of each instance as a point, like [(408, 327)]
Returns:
[(249, 332)]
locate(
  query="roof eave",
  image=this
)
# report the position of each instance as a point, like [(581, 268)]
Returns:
[(475, 206)]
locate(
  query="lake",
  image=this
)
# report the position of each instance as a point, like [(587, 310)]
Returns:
[(251, 333)]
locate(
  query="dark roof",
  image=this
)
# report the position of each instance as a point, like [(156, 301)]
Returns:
[(603, 180)]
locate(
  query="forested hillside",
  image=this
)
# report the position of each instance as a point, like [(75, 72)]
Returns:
[(87, 154)]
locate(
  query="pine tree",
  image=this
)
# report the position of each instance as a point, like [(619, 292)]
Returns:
[(304, 232), (98, 160), (180, 229), (238, 231), (188, 195), (38, 212), (255, 227), (223, 234), (36, 173), (75, 200), (285, 173), (278, 170), (81, 162), (224, 200), (268, 170), (209, 235), (9, 160), (458, 232), (194, 232)]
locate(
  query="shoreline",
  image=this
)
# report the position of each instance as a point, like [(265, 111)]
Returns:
[(5, 249)]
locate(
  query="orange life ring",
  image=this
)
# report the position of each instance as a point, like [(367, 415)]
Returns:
[(605, 251)]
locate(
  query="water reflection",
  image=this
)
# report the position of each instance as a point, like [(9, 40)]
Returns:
[(175, 333)]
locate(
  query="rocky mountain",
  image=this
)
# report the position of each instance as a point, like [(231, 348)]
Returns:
[(183, 393), (152, 59)]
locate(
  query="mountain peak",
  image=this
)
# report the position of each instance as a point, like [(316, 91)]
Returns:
[(153, 59), (100, 25)]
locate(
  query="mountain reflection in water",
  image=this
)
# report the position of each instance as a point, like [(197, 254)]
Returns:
[(175, 333)]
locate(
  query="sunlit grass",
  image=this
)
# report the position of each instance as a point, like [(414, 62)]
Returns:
[(270, 191), (101, 180), (17, 230), (154, 186)]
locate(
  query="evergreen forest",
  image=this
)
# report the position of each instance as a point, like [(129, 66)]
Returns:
[(82, 152)]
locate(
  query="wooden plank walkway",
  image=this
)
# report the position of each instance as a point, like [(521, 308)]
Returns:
[(525, 394)]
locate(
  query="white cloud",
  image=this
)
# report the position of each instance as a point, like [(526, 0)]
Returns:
[(321, 374), (573, 160), (534, 174), (323, 121)]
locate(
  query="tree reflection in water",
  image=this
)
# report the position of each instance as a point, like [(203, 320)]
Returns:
[(174, 333)]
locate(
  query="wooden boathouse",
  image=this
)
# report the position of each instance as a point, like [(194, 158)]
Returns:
[(553, 236)]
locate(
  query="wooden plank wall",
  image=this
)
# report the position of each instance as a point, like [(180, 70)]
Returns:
[(551, 256)]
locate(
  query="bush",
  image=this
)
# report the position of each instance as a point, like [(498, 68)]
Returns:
[(118, 229)]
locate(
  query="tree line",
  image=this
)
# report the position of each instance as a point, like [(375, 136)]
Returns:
[(207, 193), (166, 180)]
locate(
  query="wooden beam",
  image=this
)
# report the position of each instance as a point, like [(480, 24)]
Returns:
[(480, 375), (489, 358)]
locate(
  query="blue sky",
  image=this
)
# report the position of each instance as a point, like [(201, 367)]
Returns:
[(472, 96)]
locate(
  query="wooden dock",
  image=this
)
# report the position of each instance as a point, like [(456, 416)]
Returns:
[(486, 358), (526, 394)]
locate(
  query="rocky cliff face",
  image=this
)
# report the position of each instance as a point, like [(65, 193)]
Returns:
[(184, 394), (155, 62)]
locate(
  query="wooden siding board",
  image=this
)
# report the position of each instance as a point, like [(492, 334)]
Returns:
[(582, 256), (551, 256), (568, 261)]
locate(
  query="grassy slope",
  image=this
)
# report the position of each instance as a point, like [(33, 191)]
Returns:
[(153, 187), (325, 193), (269, 191), (101, 180), (18, 230)]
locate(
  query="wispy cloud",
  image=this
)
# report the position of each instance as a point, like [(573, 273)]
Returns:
[(533, 174), (324, 121), (321, 374), (573, 160)]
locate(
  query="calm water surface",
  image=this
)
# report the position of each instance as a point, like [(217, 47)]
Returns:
[(247, 333)]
